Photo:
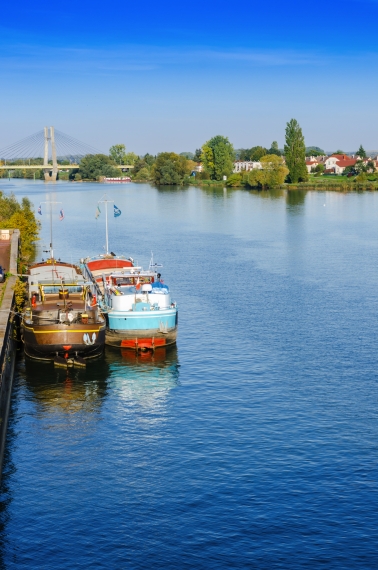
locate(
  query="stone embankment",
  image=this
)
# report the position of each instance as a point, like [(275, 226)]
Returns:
[(8, 340)]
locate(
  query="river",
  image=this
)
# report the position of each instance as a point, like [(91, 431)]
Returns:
[(254, 443)]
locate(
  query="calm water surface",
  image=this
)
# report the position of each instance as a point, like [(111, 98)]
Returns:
[(254, 444)]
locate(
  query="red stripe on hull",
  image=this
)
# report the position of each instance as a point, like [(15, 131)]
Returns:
[(108, 264), (143, 343)]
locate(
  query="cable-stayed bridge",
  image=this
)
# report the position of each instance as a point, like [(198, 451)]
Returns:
[(44, 150)]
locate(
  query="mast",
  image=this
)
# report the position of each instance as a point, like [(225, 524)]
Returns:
[(51, 226), (106, 227), (51, 235), (106, 201)]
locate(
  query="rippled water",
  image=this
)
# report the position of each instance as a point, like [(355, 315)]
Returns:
[(254, 444)]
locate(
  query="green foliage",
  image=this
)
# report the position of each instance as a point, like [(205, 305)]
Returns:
[(92, 166), (274, 149), (19, 294), (77, 177), (314, 151), (130, 158), (295, 152), (64, 175), (338, 152), (144, 174), (188, 155), (170, 168), (197, 155), (370, 166), (272, 173), (20, 216), (361, 152), (361, 177), (319, 168), (117, 153), (143, 162), (217, 156), (254, 153), (235, 180)]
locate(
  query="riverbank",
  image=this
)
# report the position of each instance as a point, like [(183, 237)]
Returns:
[(7, 341)]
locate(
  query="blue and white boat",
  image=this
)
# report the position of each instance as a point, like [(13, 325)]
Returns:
[(141, 314)]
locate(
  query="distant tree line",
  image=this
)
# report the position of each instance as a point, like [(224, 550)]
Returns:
[(216, 158)]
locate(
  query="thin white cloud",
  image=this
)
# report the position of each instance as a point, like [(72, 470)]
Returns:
[(139, 59)]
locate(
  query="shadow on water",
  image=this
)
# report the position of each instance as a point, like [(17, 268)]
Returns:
[(295, 199), (272, 194)]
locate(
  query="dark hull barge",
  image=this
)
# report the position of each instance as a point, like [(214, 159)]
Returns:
[(61, 323)]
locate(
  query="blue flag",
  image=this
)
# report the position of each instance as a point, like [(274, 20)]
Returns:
[(40, 211), (117, 211)]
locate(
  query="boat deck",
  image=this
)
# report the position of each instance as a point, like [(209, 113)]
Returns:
[(52, 301)]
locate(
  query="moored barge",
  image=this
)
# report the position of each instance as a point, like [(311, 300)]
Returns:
[(138, 306), (61, 321)]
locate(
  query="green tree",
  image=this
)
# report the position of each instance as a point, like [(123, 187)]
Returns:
[(130, 158), (370, 166), (218, 157), (144, 174), (274, 149), (117, 153), (295, 152), (188, 155), (92, 166), (314, 151), (256, 152), (319, 168), (21, 217), (272, 173), (234, 180), (170, 168), (197, 155), (361, 152)]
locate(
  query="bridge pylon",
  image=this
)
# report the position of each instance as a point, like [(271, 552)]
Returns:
[(50, 173)]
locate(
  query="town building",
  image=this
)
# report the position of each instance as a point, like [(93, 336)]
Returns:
[(246, 165)]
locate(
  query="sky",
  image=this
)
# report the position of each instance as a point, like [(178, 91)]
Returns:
[(167, 76)]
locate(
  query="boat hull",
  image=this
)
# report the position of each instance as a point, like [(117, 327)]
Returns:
[(139, 330), (45, 342), (140, 340)]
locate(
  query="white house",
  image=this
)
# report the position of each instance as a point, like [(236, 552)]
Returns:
[(246, 165)]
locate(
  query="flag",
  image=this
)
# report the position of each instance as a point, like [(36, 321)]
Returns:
[(40, 211), (117, 211), (98, 212), (61, 215), (137, 286)]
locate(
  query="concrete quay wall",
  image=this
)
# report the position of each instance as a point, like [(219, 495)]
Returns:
[(8, 344)]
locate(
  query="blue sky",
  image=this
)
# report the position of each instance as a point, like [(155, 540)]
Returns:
[(168, 76)]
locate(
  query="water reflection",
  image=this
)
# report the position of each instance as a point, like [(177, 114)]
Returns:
[(145, 379), (70, 390), (272, 194), (295, 199)]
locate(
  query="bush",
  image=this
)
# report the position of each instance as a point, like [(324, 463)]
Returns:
[(272, 173), (144, 174), (235, 180)]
